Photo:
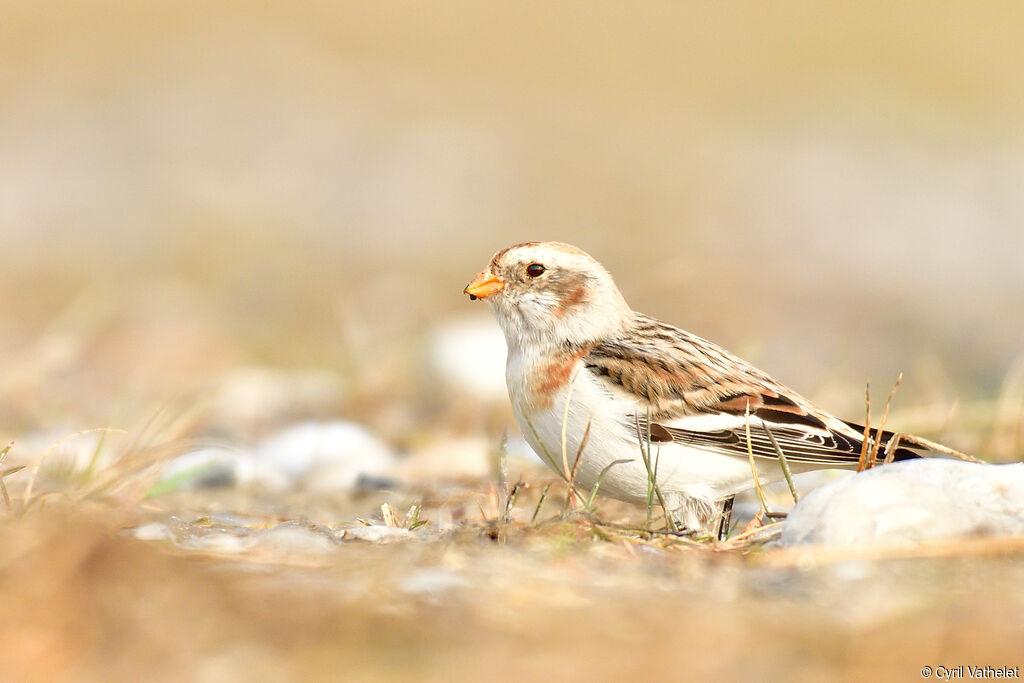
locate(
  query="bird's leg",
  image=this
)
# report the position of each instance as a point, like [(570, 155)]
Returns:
[(726, 520)]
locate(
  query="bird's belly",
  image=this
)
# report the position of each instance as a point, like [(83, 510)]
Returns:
[(612, 460)]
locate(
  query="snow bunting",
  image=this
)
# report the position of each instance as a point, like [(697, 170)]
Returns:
[(640, 401)]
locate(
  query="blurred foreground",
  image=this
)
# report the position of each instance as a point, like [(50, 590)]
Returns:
[(501, 601)]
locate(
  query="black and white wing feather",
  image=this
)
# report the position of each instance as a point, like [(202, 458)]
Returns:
[(692, 392)]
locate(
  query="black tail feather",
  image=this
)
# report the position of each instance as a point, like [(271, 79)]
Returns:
[(903, 451)]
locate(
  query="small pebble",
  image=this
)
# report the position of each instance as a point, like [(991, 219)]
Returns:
[(294, 538), (326, 457), (154, 531), (375, 534)]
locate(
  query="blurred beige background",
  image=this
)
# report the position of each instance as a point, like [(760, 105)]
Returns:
[(186, 189)]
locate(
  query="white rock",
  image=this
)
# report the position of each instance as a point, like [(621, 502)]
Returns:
[(220, 466), (377, 533), (913, 500), (326, 456), (153, 531), (218, 542), (468, 354), (293, 539)]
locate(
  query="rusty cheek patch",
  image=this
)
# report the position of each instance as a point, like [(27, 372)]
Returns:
[(571, 300)]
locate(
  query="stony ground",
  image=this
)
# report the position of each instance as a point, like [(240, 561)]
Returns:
[(222, 586)]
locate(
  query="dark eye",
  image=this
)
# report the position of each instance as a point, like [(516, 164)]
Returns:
[(535, 270)]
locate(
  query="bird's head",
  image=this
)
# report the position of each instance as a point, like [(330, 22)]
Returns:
[(550, 293)]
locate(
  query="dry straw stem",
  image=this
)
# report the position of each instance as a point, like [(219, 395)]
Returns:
[(873, 455), (543, 495), (753, 465), (502, 464), (510, 501), (922, 442), (747, 538), (565, 423), (600, 478), (868, 458), (862, 460), (549, 459), (6, 473), (783, 463), (389, 515), (652, 474), (890, 449), (579, 455), (27, 496)]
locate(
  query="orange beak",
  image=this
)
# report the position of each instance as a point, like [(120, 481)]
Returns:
[(484, 285)]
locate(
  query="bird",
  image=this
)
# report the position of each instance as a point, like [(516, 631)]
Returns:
[(622, 403)]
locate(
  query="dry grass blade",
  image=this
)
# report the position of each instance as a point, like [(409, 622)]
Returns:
[(890, 448), (6, 473), (570, 496), (867, 428), (543, 495), (753, 465), (600, 478), (502, 464), (545, 454), (753, 531), (565, 424), (784, 464), (412, 517), (3, 483), (922, 442), (510, 501), (389, 515), (653, 490), (579, 455), (877, 445), (27, 496)]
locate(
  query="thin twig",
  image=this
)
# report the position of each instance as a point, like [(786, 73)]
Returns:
[(873, 457), (753, 467), (922, 442), (751, 532)]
